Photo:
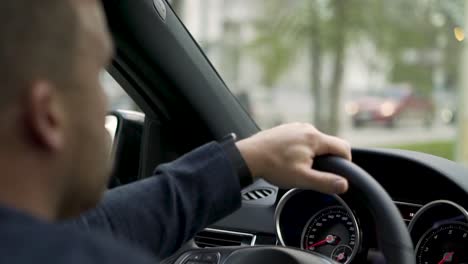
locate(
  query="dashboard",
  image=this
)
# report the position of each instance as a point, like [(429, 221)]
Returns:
[(328, 225), (431, 194)]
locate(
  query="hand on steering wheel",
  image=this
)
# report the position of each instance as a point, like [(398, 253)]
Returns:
[(390, 227)]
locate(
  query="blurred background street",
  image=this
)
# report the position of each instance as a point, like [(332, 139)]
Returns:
[(378, 73), (378, 137)]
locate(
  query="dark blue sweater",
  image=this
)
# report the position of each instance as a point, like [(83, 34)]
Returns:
[(134, 223)]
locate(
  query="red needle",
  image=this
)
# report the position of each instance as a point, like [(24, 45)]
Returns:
[(447, 256), (321, 242), (330, 239)]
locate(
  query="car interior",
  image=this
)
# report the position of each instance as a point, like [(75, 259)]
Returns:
[(402, 206)]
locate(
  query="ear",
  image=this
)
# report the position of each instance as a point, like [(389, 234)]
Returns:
[(45, 117)]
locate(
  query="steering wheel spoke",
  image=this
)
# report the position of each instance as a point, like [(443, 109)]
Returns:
[(250, 255)]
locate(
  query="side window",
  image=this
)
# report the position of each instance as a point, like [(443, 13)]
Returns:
[(118, 98), (125, 150)]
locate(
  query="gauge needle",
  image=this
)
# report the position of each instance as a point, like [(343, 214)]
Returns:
[(447, 257), (330, 239)]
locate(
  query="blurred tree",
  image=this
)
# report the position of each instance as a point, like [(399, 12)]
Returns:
[(409, 35), (319, 27), (417, 38)]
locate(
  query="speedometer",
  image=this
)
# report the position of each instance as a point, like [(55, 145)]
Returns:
[(332, 232), (447, 243)]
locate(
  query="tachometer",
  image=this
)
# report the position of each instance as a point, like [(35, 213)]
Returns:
[(447, 243), (332, 232)]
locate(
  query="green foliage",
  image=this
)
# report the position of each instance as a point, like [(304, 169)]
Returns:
[(393, 26), (419, 77), (293, 26), (276, 59), (444, 149), (412, 36)]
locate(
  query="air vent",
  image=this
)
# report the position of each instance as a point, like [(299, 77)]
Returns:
[(219, 238), (257, 194)]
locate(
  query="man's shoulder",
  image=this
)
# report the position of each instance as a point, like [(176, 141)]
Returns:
[(47, 243), (102, 249)]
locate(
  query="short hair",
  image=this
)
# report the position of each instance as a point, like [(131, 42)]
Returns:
[(37, 42)]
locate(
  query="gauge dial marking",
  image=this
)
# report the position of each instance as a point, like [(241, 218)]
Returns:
[(444, 244), (332, 232)]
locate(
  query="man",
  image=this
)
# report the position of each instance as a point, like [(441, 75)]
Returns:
[(54, 158)]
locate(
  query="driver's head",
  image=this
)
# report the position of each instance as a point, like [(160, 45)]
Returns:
[(53, 145)]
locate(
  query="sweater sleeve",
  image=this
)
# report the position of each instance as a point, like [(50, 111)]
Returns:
[(164, 211)]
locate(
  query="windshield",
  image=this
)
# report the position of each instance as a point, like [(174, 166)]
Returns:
[(378, 73), (392, 93)]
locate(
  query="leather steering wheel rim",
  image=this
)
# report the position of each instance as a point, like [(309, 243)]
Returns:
[(392, 233)]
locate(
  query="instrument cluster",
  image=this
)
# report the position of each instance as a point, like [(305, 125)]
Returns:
[(325, 224)]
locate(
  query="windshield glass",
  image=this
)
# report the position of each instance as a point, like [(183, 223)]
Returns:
[(392, 93), (378, 73)]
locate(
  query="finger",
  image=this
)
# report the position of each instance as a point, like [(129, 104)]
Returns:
[(325, 182), (334, 146)]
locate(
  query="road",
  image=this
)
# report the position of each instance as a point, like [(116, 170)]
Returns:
[(381, 136)]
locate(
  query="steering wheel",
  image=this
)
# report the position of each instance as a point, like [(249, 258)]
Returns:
[(392, 233)]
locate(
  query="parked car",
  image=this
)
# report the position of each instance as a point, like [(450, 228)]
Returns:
[(391, 107)]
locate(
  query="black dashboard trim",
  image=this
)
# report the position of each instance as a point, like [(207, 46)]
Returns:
[(430, 205)]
